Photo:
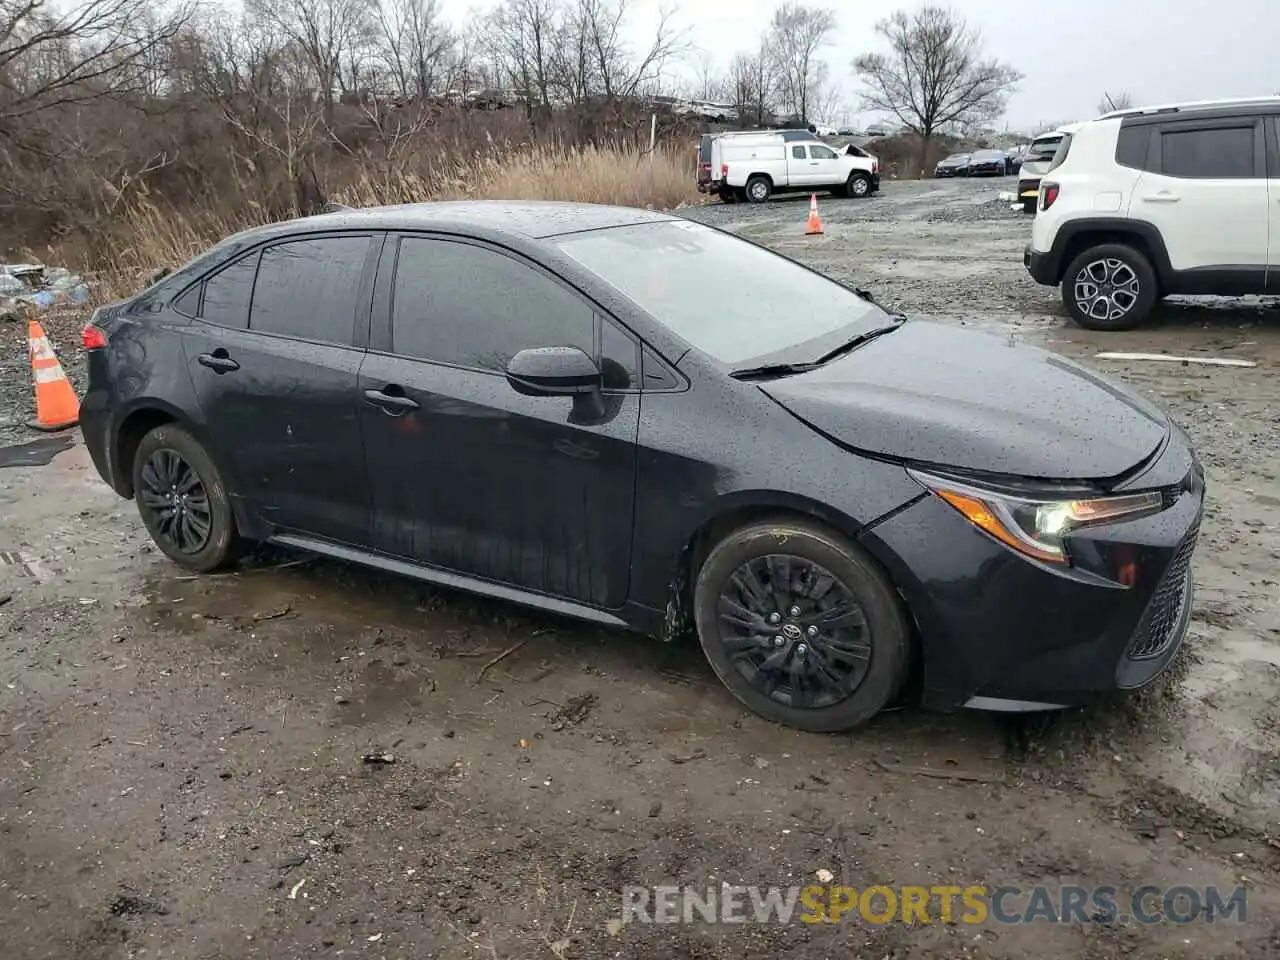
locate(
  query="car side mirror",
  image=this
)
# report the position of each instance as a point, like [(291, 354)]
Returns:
[(553, 372)]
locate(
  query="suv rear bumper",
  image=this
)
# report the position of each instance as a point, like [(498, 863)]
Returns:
[(1043, 267)]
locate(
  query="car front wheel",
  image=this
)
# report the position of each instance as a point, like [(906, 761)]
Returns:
[(182, 500), (801, 626), (1109, 287)]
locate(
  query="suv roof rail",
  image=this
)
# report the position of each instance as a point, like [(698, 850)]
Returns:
[(1192, 105)]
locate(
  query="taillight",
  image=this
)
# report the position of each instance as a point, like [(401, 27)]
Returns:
[(1048, 194), (93, 338), (724, 170)]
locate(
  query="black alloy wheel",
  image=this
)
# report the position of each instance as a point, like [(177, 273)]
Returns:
[(793, 631), (182, 500), (801, 625), (175, 496)]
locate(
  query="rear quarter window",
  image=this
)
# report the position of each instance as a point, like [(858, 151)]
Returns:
[(1131, 146)]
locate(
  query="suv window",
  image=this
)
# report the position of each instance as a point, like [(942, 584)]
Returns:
[(475, 307), (309, 288), (1042, 151), (226, 294), (1217, 152), (822, 153)]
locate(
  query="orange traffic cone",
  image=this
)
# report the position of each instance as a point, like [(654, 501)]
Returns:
[(57, 405), (814, 226)]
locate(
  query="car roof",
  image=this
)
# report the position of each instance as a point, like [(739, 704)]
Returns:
[(1269, 104), (536, 219)]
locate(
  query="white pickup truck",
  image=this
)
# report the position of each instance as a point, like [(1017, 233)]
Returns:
[(754, 167)]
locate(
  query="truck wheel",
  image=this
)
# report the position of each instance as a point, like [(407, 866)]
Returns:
[(759, 188), (859, 186)]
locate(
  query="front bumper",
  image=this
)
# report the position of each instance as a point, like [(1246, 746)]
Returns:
[(996, 628), (947, 172)]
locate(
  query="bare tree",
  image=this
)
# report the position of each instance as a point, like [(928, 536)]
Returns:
[(78, 52), (1120, 100), (934, 74), (525, 35), (796, 34), (327, 33)]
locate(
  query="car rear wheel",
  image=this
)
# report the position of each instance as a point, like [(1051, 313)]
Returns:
[(801, 626), (1109, 287), (182, 500), (858, 185), (758, 189)]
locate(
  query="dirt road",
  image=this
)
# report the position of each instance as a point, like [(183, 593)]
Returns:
[(182, 760)]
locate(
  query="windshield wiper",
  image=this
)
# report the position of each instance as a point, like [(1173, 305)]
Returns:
[(769, 371), (859, 340)]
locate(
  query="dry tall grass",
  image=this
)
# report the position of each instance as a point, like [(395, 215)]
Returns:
[(149, 235)]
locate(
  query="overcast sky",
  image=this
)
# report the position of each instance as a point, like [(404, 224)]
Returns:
[(1070, 51)]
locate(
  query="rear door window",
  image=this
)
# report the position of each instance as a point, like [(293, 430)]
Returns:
[(310, 289), (1212, 153)]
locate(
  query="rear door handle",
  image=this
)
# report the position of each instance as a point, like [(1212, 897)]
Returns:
[(1163, 196), (394, 403), (219, 361)]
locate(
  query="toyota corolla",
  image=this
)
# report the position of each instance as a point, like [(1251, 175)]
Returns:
[(640, 421)]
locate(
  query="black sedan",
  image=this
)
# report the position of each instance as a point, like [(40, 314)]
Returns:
[(988, 163), (956, 165), (640, 421)]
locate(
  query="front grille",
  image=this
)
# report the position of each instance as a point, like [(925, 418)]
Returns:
[(1155, 630)]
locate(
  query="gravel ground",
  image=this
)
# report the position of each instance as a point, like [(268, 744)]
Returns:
[(181, 759)]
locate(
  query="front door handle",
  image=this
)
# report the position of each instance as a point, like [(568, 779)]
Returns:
[(393, 402), (219, 361)]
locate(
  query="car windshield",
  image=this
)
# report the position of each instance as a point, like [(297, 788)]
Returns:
[(956, 158), (728, 298)]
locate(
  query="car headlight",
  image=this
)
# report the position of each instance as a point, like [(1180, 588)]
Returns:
[(1035, 525)]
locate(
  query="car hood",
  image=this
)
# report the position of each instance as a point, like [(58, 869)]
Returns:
[(935, 394)]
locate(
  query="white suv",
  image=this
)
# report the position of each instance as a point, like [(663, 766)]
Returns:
[(1143, 203)]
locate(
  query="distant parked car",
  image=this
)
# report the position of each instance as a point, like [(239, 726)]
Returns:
[(956, 165), (988, 163)]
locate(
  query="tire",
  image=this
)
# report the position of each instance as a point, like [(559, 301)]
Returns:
[(1123, 286), (170, 454), (868, 646), (759, 188), (858, 186)]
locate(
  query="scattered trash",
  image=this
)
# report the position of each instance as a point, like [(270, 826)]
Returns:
[(375, 938), (379, 759), (293, 891), (613, 926), (1007, 196), (655, 808), (824, 875), (524, 744), (1170, 358), (33, 285), (5, 598)]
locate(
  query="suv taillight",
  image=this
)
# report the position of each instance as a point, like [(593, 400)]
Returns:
[(1048, 194), (93, 338)]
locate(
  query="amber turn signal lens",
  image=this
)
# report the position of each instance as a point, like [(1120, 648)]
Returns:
[(981, 515)]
